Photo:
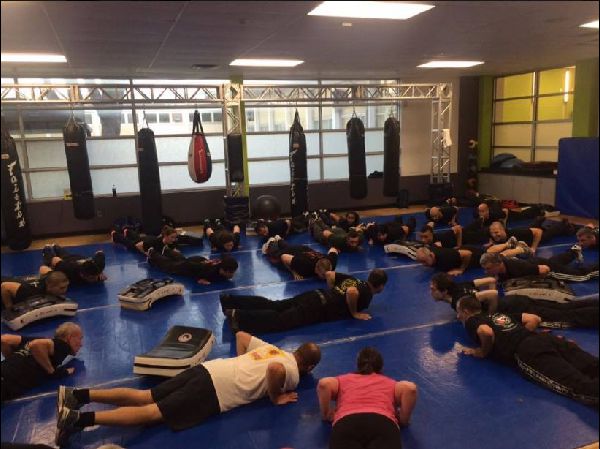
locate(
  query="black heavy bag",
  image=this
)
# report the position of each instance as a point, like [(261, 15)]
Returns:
[(235, 157), (298, 171), (391, 157), (14, 207), (357, 163), (149, 176), (199, 160), (79, 170)]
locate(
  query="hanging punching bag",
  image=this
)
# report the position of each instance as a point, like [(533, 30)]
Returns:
[(391, 157), (14, 208), (235, 157), (149, 177), (298, 171), (78, 165), (357, 164), (199, 160)]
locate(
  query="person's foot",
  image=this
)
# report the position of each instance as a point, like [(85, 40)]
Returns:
[(66, 398), (578, 253), (48, 254), (65, 425), (512, 242)]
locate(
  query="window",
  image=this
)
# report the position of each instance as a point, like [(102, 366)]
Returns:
[(532, 111)]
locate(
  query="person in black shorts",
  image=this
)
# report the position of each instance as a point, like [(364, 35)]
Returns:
[(200, 268), (533, 236), (345, 298), (576, 313), (453, 261), (15, 290), (222, 237), (389, 232), (268, 228), (301, 260), (550, 361), (186, 400), (166, 240), (557, 266), (444, 215), (79, 269), (31, 360)]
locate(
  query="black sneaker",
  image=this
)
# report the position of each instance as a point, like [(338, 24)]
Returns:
[(65, 425), (100, 260), (66, 398), (47, 255)]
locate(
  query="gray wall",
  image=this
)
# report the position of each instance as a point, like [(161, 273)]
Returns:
[(191, 207)]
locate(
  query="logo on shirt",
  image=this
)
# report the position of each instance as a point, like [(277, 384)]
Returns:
[(504, 322), (261, 354), (345, 285), (184, 338)]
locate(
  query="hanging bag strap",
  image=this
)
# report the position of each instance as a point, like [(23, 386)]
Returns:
[(197, 125)]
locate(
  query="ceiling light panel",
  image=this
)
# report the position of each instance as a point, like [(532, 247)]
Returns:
[(370, 10)]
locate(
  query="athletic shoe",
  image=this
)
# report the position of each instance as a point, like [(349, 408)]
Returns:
[(48, 254), (512, 243), (578, 253), (66, 398), (65, 425)]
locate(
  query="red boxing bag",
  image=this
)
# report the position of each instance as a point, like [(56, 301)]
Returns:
[(199, 160)]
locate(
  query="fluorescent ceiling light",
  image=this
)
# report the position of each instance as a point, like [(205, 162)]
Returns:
[(266, 62), (370, 10), (449, 64), (593, 24), (32, 57)]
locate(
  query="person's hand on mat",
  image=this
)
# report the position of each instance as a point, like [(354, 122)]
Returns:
[(362, 316), (297, 277), (473, 352), (455, 272), (203, 282), (286, 398)]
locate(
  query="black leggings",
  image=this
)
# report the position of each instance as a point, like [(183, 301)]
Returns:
[(560, 366), (365, 431), (576, 313)]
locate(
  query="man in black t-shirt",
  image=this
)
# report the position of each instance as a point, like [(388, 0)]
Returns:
[(280, 227), (79, 269), (445, 215), (504, 268), (451, 238), (577, 313), (389, 232), (553, 362), (15, 290), (202, 269), (32, 361), (301, 260), (222, 237), (533, 236), (587, 236), (345, 299), (453, 261)]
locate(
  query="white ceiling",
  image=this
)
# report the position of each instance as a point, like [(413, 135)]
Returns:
[(158, 39)]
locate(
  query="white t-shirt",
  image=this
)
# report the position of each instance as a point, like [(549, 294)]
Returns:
[(243, 379)]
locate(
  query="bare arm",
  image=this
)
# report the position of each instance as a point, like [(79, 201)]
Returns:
[(458, 233), (8, 290), (330, 278), (465, 258), (486, 337), (41, 350), (537, 237), (327, 391), (405, 395), (530, 321), (352, 296), (488, 282), (498, 248), (276, 383), (490, 297), (9, 342), (242, 341)]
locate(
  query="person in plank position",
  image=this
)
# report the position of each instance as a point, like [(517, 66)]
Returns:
[(15, 289)]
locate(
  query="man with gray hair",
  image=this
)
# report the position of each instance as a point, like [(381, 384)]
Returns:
[(587, 236), (452, 261), (31, 361)]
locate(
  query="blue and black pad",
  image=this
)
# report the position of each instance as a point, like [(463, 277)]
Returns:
[(37, 308)]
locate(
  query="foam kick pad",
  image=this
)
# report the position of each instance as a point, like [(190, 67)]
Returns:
[(406, 248), (37, 308), (182, 348), (536, 287), (142, 294)]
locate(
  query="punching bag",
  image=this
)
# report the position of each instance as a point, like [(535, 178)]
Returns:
[(357, 163), (298, 171), (14, 208), (78, 165), (199, 160), (235, 158), (391, 157), (149, 177)]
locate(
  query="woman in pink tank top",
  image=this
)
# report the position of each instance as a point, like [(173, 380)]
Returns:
[(369, 407)]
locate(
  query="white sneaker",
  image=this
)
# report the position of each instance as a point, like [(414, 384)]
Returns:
[(277, 238)]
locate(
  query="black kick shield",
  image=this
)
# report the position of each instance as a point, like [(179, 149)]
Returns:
[(298, 170), (78, 165)]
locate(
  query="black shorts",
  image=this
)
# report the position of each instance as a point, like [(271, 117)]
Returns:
[(370, 430), (187, 399)]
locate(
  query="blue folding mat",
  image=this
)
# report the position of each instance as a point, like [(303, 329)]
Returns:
[(463, 403)]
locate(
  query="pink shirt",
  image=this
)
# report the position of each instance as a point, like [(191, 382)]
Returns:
[(365, 393)]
